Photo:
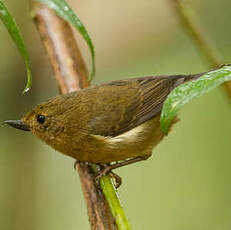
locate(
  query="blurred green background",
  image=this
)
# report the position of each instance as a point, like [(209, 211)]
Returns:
[(184, 185)]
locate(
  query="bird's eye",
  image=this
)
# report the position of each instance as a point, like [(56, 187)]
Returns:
[(41, 119)]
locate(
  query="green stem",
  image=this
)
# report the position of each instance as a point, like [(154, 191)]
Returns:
[(113, 200), (114, 203)]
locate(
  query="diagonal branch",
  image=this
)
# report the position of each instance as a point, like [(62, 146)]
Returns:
[(196, 34), (70, 73)]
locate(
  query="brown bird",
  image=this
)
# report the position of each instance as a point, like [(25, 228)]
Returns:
[(110, 122)]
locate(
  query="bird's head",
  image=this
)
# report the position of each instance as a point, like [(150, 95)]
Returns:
[(47, 120)]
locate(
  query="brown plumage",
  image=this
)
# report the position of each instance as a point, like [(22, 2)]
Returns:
[(104, 123)]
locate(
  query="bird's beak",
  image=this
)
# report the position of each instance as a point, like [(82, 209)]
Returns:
[(18, 124)]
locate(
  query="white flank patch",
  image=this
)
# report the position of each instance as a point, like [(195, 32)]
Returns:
[(129, 136)]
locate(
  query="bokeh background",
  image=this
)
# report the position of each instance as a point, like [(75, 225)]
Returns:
[(184, 185)]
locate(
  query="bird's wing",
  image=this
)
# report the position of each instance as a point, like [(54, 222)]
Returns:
[(136, 101)]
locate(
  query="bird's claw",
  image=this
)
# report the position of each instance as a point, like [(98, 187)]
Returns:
[(117, 179), (107, 171)]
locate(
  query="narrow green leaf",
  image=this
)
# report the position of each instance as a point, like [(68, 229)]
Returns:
[(190, 90), (14, 32), (64, 11)]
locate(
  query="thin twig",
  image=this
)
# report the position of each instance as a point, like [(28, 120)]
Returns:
[(201, 41), (70, 73)]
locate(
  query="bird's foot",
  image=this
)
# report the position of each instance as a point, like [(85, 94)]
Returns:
[(107, 171)]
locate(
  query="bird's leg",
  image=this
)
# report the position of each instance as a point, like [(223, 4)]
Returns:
[(107, 169)]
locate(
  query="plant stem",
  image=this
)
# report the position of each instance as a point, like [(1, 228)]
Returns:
[(114, 203), (196, 34), (70, 72), (113, 200)]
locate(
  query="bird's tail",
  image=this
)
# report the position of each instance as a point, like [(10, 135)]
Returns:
[(196, 76), (186, 78)]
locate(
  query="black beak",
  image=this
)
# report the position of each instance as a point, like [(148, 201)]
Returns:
[(18, 124)]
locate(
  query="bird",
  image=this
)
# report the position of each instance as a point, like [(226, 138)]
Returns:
[(117, 121)]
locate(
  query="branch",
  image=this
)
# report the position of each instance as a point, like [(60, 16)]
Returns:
[(196, 34), (70, 73)]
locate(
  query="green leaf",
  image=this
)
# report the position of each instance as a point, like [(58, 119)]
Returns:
[(190, 90), (14, 32), (65, 12)]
